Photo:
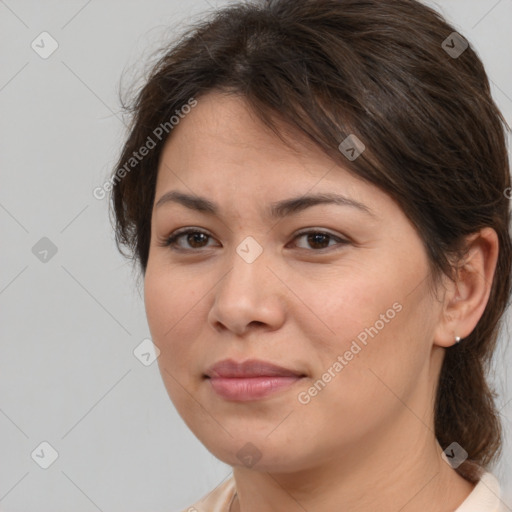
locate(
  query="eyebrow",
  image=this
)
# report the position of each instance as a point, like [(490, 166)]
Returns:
[(278, 209)]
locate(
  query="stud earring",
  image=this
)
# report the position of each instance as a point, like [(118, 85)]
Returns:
[(457, 339)]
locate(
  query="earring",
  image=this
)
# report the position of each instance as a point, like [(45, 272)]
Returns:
[(457, 339)]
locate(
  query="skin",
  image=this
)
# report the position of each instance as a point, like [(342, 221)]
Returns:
[(366, 440)]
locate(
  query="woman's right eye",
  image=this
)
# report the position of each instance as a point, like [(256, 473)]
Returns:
[(193, 237)]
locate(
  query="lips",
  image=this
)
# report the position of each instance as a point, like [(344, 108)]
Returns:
[(228, 368), (250, 380)]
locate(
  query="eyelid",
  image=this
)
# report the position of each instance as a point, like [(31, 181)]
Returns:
[(313, 229)]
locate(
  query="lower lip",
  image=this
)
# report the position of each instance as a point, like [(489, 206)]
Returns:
[(253, 388)]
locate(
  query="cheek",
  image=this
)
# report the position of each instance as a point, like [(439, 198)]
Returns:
[(370, 332), (347, 303), (172, 307), (354, 396)]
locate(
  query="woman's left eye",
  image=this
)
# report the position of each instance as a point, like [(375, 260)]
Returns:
[(316, 238), (196, 239)]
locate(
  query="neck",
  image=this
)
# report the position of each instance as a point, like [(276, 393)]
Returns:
[(391, 472)]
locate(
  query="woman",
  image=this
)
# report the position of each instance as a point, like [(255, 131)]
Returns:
[(315, 193)]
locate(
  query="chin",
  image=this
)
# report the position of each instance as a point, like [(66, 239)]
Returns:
[(247, 450)]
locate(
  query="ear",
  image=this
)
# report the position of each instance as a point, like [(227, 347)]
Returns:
[(465, 299)]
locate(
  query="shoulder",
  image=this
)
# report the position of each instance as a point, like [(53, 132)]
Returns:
[(485, 497), (217, 500)]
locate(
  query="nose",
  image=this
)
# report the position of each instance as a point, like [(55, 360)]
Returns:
[(248, 296)]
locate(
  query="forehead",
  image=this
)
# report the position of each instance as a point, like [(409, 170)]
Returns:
[(221, 143), (227, 161)]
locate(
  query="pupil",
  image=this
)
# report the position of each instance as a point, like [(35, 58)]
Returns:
[(317, 238), (194, 236)]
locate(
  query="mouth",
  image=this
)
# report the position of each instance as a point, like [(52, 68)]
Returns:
[(250, 380)]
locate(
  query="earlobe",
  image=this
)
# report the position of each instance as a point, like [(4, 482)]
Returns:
[(466, 297)]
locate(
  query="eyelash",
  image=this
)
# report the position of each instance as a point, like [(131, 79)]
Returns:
[(171, 240)]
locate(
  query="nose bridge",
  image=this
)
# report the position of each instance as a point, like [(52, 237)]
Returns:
[(248, 271), (247, 292)]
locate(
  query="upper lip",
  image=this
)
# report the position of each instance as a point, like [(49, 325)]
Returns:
[(228, 368)]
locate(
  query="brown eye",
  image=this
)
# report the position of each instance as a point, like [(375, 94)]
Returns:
[(319, 240), (194, 238)]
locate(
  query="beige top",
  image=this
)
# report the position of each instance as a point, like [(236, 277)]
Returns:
[(485, 497)]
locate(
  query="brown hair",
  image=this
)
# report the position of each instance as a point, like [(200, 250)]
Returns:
[(435, 142)]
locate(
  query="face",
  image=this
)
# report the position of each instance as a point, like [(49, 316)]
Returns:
[(335, 292)]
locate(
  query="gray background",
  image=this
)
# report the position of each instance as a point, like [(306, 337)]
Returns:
[(69, 325)]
